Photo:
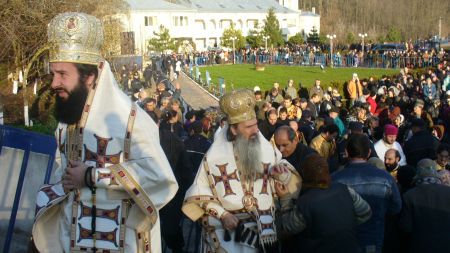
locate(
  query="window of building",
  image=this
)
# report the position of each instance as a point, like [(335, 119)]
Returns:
[(225, 23), (292, 22), (251, 23), (180, 21), (150, 21)]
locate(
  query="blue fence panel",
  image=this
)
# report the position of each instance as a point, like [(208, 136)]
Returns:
[(197, 73), (191, 70), (222, 87), (208, 79), (29, 142)]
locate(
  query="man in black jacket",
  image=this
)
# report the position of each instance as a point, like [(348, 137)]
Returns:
[(290, 147), (196, 147), (421, 145), (426, 211), (306, 126), (267, 127)]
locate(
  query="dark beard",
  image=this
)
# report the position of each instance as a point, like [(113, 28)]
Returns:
[(391, 167), (69, 111)]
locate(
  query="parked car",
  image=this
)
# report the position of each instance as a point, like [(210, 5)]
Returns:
[(383, 48)]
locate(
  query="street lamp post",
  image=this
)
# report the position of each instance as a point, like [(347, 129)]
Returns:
[(362, 35), (331, 37), (234, 56), (265, 37)]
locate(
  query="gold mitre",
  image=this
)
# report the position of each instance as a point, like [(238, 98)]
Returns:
[(239, 106), (75, 37)]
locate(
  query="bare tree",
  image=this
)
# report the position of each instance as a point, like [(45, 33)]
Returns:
[(413, 18), (23, 29)]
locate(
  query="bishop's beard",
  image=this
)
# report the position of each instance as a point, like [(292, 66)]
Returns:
[(69, 110), (249, 154)]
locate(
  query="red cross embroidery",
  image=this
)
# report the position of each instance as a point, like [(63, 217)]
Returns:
[(225, 178), (101, 158)]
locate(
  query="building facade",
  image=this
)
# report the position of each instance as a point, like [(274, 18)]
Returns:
[(203, 21)]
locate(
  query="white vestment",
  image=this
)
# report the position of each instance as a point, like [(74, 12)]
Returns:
[(127, 217), (217, 188), (381, 147)]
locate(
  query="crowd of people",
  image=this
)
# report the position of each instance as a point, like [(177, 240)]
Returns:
[(390, 143), (406, 55), (387, 140), (287, 170)]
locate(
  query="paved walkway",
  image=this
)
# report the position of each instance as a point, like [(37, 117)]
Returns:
[(194, 95)]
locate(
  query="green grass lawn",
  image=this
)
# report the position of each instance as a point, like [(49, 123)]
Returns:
[(245, 75)]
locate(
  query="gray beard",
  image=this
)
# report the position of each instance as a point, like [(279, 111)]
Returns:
[(249, 154)]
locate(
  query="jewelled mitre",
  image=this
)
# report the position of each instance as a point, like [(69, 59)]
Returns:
[(238, 105), (75, 37)]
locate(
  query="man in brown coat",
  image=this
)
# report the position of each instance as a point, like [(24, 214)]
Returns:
[(354, 89)]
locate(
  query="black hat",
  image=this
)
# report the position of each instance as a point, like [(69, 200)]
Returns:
[(355, 126)]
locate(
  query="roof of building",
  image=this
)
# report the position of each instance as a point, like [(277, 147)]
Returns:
[(215, 6), (309, 14), (235, 6), (156, 5)]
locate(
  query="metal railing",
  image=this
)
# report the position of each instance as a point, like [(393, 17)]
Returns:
[(367, 61), (217, 89), (28, 142)]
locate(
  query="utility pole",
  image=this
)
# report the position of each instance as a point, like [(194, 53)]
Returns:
[(331, 37), (440, 30), (234, 56), (265, 37)]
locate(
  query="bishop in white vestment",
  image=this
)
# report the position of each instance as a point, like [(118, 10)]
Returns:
[(233, 193), (127, 177)]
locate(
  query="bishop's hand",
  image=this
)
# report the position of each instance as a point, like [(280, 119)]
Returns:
[(229, 221), (73, 178)]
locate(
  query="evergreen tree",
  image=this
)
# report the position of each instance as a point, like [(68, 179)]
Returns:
[(313, 37), (255, 37), (231, 32), (297, 39), (272, 28), (162, 41)]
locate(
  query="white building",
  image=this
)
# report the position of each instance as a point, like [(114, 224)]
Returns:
[(203, 21)]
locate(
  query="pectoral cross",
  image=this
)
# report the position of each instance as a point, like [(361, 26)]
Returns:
[(225, 178)]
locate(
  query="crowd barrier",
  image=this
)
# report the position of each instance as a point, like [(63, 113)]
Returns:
[(26, 142), (337, 60)]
